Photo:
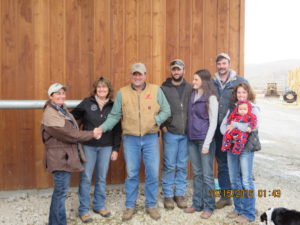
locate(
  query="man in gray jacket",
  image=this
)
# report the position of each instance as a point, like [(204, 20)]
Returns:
[(174, 174), (225, 81)]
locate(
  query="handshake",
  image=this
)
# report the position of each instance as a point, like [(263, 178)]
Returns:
[(97, 132)]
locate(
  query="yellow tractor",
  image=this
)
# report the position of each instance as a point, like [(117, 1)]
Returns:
[(272, 90)]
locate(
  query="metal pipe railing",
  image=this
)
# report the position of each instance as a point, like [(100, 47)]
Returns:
[(32, 104)]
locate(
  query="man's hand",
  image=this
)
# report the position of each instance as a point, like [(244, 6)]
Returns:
[(164, 129), (229, 128)]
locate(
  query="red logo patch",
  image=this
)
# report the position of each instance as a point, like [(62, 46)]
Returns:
[(148, 96)]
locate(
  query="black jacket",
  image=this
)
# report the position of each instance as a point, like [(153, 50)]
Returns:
[(91, 116), (176, 124)]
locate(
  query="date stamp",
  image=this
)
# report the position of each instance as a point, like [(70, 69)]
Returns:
[(261, 193)]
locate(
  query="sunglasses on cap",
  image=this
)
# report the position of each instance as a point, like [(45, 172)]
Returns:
[(177, 62)]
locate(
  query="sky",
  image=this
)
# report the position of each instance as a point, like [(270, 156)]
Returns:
[(272, 30)]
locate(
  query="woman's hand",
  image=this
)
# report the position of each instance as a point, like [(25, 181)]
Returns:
[(114, 156), (248, 130), (97, 132), (204, 150)]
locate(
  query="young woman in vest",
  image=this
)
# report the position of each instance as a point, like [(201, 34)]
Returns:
[(241, 166), (92, 112), (202, 123), (60, 134)]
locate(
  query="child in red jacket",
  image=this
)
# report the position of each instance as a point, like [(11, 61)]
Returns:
[(239, 124)]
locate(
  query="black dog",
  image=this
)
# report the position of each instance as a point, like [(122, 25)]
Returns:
[(280, 216)]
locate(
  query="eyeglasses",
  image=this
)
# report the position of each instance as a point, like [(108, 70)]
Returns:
[(177, 62)]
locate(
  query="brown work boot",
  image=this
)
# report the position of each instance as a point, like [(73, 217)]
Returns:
[(222, 203), (103, 212), (180, 201), (205, 214), (189, 210), (153, 213), (86, 218), (127, 214), (168, 203), (232, 215)]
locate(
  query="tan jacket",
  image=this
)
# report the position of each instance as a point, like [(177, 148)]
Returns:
[(61, 135), (139, 110)]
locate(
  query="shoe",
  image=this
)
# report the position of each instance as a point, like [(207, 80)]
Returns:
[(153, 213), (180, 201), (232, 215), (189, 210), (86, 218), (222, 203), (103, 212), (242, 219), (168, 203), (205, 214), (128, 214)]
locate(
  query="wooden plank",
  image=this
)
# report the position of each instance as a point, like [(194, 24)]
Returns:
[(241, 58), (102, 42), (118, 71), (172, 32), (86, 50), (185, 34), (210, 34), (223, 26), (57, 42), (144, 18), (159, 41), (41, 33), (72, 46), (234, 40), (197, 39)]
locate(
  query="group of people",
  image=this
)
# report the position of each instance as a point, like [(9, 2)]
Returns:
[(210, 118)]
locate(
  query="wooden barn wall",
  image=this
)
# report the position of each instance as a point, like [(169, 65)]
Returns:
[(75, 41)]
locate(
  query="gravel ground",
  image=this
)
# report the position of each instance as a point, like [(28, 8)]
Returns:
[(276, 170)]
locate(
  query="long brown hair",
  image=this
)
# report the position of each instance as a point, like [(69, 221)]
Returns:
[(207, 85), (246, 87), (104, 81)]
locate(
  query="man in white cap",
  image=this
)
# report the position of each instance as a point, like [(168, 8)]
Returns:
[(174, 173), (143, 107), (225, 80)]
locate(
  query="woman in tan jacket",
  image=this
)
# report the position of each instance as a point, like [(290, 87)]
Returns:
[(60, 134)]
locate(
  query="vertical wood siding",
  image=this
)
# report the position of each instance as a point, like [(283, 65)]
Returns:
[(75, 41)]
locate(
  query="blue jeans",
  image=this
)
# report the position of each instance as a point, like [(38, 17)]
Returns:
[(203, 179), (223, 173), (57, 214), (174, 172), (136, 147), (240, 171), (99, 158)]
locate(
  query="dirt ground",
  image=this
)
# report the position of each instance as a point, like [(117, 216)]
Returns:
[(276, 170)]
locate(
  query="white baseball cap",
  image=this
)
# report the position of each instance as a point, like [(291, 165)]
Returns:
[(55, 88)]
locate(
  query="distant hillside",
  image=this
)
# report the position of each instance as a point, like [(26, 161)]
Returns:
[(261, 74)]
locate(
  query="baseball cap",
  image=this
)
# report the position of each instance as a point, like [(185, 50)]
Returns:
[(55, 88), (177, 63), (138, 67), (222, 55)]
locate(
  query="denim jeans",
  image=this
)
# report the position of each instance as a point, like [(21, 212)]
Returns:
[(57, 214), (223, 174), (99, 158), (203, 179), (136, 148), (240, 171), (174, 171)]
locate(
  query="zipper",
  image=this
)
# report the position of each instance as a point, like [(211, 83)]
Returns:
[(139, 108)]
